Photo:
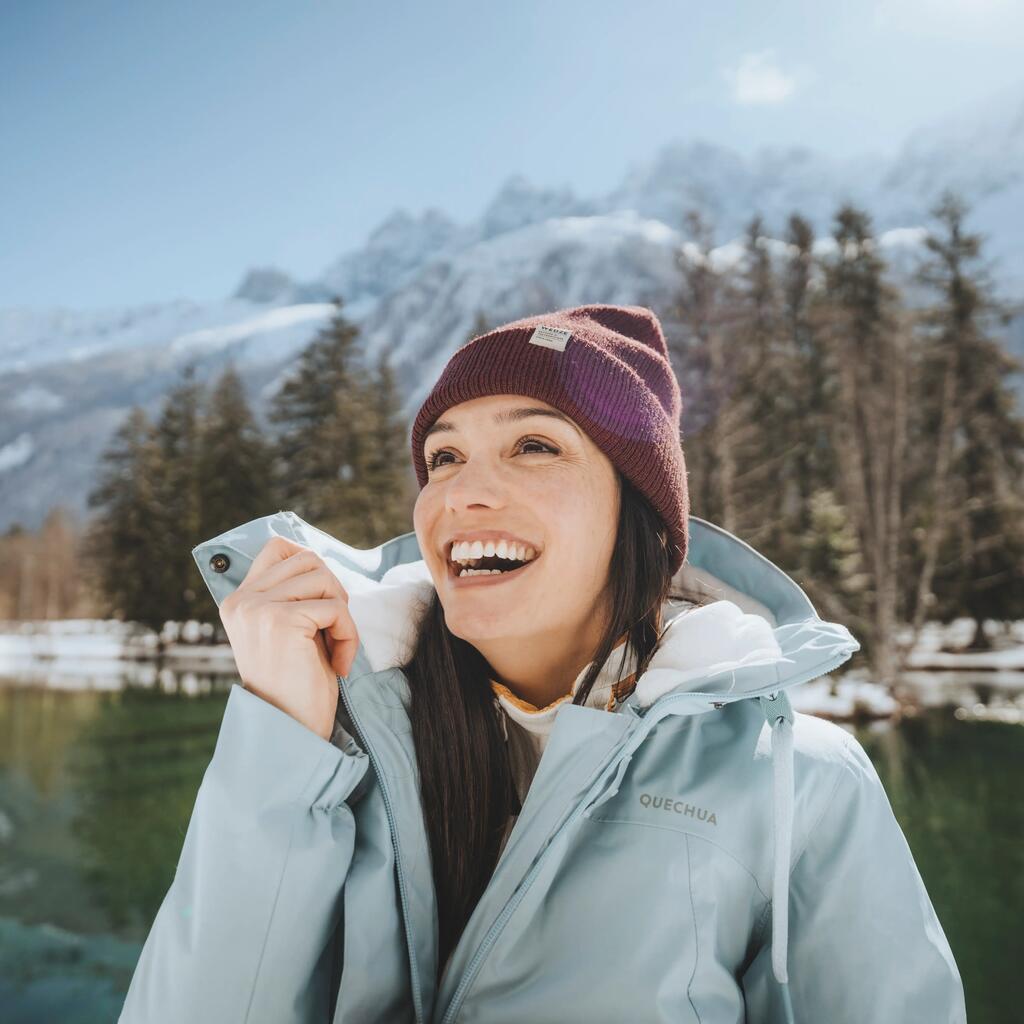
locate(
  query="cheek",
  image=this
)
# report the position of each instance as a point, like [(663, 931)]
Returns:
[(580, 509), (425, 506), (424, 514), (581, 527), (557, 497), (583, 559)]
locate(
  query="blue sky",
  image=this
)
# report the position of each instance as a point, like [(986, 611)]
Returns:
[(151, 151)]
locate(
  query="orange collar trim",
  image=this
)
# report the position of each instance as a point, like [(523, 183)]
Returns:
[(525, 705), (620, 690)]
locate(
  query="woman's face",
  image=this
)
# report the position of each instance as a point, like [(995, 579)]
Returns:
[(536, 478)]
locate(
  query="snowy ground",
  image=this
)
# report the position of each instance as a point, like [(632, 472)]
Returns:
[(95, 654)]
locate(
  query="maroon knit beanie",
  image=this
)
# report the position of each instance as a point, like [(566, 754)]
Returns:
[(606, 367)]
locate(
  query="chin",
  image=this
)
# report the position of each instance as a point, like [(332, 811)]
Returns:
[(479, 628)]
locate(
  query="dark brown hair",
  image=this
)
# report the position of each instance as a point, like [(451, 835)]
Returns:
[(466, 784)]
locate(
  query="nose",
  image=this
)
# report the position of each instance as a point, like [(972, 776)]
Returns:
[(476, 484)]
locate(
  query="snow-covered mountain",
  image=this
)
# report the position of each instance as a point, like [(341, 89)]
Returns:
[(417, 284)]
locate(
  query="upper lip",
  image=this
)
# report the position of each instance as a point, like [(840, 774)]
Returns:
[(486, 535)]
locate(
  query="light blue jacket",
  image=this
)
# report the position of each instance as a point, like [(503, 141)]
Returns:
[(701, 854)]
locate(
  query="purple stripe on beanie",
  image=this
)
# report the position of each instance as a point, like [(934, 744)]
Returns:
[(613, 378)]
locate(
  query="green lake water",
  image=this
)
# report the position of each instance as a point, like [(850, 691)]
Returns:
[(97, 787)]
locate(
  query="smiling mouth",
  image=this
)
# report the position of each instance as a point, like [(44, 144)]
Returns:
[(489, 567)]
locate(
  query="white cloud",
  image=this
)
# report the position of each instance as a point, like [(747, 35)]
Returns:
[(757, 78)]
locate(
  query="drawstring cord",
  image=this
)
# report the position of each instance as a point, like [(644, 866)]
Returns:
[(779, 714)]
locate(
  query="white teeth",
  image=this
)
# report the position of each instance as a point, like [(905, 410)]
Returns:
[(488, 572), (468, 551)]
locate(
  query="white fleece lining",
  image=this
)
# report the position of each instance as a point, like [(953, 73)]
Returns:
[(705, 640)]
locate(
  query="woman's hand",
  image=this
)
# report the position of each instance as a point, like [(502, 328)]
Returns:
[(274, 619)]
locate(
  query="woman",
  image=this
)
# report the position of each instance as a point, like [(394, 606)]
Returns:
[(551, 791)]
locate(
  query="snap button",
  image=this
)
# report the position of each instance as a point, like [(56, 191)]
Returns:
[(220, 562)]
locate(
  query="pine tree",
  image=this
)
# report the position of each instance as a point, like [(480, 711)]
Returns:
[(310, 414), (991, 464), (970, 439), (991, 542), (389, 466), (715, 429), (234, 460), (234, 468), (177, 527), (869, 347), (327, 428), (118, 546), (767, 399), (802, 310)]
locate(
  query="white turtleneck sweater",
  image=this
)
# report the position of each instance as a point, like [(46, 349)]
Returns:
[(527, 727)]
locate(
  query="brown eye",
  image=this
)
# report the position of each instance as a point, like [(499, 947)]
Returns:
[(533, 440), (432, 462)]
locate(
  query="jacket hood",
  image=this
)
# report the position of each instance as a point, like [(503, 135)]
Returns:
[(758, 636)]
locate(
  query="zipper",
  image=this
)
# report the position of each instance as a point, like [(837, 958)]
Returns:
[(417, 999), (509, 909)]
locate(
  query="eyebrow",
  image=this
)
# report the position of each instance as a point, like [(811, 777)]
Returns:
[(506, 416)]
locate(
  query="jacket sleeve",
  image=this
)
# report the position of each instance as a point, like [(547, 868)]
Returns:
[(247, 930), (865, 944)]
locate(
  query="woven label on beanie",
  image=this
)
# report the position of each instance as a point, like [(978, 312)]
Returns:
[(550, 337)]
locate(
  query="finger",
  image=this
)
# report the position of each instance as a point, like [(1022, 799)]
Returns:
[(342, 636), (303, 561), (318, 582), (300, 562), (322, 613), (275, 550)]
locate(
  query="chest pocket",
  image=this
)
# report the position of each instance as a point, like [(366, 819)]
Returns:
[(695, 896), (724, 847), (665, 787), (611, 899)]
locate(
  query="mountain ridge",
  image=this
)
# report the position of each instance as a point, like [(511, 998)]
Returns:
[(417, 284)]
